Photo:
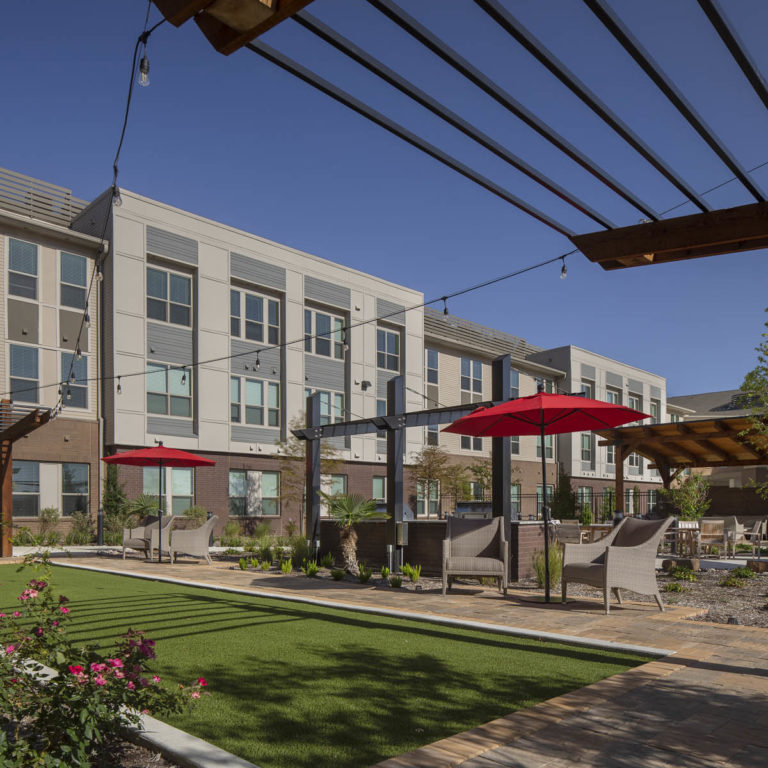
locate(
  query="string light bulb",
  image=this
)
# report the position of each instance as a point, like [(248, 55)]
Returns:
[(87, 318), (69, 393), (184, 376), (445, 305), (119, 387), (72, 377), (344, 342), (564, 269), (144, 71), (79, 353), (258, 362), (117, 200)]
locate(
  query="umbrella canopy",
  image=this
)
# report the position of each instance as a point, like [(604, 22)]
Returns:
[(159, 456), (544, 414)]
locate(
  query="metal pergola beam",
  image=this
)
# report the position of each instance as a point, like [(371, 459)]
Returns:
[(539, 51), (453, 59), (388, 75), (645, 61)]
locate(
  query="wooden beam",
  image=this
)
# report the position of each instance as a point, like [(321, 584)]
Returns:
[(24, 426), (728, 230)]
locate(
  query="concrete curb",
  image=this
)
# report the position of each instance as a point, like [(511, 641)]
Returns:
[(589, 642)]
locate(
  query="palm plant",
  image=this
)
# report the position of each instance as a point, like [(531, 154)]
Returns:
[(347, 510)]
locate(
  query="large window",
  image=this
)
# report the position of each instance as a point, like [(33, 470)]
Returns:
[(387, 350), (550, 497), (254, 493), (514, 384), (169, 297), (26, 488), (381, 410), (74, 279), (674, 418), (254, 317), (610, 454), (177, 489), (432, 363), (24, 374), (254, 402), (427, 500), (612, 396), (584, 497), (588, 388), (324, 334), (635, 462), (74, 488), (471, 376), (75, 385), (331, 406), (433, 434), (550, 446), (379, 491), (586, 446), (471, 443), (22, 269), (169, 390), (655, 411), (514, 445)]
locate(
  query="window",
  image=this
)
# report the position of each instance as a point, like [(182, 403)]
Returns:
[(549, 385), (514, 383), (586, 446), (387, 350), (24, 376), (260, 313), (75, 392), (427, 507), (610, 454), (331, 405), (74, 488), (655, 411), (169, 390), (472, 376), (26, 488), (431, 366), (476, 490), (180, 481), (238, 492), (74, 277), (323, 334), (254, 493), (247, 403), (550, 496), (588, 388), (635, 402), (674, 417), (584, 497), (471, 443), (433, 434), (514, 501), (612, 396), (169, 297), (22, 269), (514, 445), (379, 489), (635, 462), (337, 485), (381, 410), (548, 442)]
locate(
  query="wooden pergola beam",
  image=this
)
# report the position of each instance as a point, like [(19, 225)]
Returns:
[(25, 425), (728, 230)]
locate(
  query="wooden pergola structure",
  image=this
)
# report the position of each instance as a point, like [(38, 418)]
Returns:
[(15, 422), (675, 446)]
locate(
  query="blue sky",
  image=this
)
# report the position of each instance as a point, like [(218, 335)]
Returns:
[(238, 140)]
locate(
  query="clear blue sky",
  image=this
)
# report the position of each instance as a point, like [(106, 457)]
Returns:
[(238, 140)]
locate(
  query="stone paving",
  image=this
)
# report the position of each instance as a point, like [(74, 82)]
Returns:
[(705, 705)]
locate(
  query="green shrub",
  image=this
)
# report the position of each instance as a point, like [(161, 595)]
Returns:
[(144, 504), (266, 554), (231, 551), (232, 535), (364, 573), (384, 572), (337, 574), (301, 550), (23, 537), (673, 586), (286, 566), (406, 570), (327, 560), (714, 550), (250, 546), (555, 566), (253, 562), (683, 573), (82, 529), (199, 514), (291, 528), (310, 568), (395, 581), (266, 565), (585, 517), (49, 518), (413, 573), (743, 573), (243, 563), (731, 581)]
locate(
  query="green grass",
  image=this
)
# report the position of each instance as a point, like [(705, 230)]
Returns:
[(309, 687)]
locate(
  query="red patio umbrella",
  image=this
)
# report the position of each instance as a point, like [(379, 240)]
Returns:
[(544, 414), (159, 456)]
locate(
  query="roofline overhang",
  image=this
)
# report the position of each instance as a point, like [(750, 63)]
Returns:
[(32, 226)]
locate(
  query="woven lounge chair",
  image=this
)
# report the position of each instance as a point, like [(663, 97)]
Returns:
[(138, 537), (711, 534), (624, 559), (569, 532), (735, 533), (193, 542), (476, 548), (165, 532)]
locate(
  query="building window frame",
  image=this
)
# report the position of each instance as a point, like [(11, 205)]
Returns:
[(177, 487), (514, 384), (254, 402), (588, 388), (75, 391), (170, 303), (471, 377), (23, 280), (254, 493), (655, 409), (26, 490), (427, 507), (324, 333), (379, 489), (75, 491), (172, 384), (470, 443), (388, 349), (586, 446), (431, 365), (73, 280), (549, 443), (613, 395), (254, 316), (24, 373), (332, 405)]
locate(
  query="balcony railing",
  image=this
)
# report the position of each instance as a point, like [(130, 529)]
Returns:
[(38, 199)]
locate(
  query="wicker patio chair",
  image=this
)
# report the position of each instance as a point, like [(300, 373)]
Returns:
[(711, 534), (569, 532), (756, 536), (138, 537), (735, 533), (624, 559), (476, 548), (165, 531), (193, 542)]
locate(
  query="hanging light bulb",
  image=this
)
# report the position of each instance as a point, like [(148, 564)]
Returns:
[(184, 376), (87, 318), (119, 387), (79, 353), (564, 270), (69, 393), (99, 274), (258, 362), (344, 342), (117, 201), (144, 71), (445, 305), (72, 377), (59, 391)]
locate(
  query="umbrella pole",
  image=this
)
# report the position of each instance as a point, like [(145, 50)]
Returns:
[(545, 511), (160, 510)]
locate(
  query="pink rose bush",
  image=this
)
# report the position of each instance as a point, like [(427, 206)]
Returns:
[(67, 719)]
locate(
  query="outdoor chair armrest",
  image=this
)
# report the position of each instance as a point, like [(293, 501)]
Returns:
[(582, 553), (446, 549), (627, 563)]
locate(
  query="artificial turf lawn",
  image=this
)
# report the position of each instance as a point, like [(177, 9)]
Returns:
[(309, 687)]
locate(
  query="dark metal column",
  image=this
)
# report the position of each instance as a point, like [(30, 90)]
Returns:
[(500, 446), (395, 457), (312, 481)]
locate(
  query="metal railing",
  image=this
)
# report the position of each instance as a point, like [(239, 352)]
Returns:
[(38, 199)]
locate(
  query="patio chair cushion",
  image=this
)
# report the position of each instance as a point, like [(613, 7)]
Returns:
[(633, 533), (469, 565), (585, 573), (136, 543)]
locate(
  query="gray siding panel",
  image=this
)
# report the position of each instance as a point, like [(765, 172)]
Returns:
[(655, 392), (324, 373), (339, 443), (382, 377), (614, 380), (159, 425), (269, 360), (392, 313), (635, 386), (588, 371), (255, 271), (169, 344), (327, 293), (170, 245), (381, 447), (247, 434)]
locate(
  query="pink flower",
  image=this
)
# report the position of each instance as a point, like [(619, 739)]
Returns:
[(115, 662), (99, 680), (10, 649), (98, 667), (63, 609), (119, 675), (155, 678), (195, 694), (16, 614), (144, 711), (131, 685), (76, 669), (39, 631), (201, 682), (2, 616), (55, 623)]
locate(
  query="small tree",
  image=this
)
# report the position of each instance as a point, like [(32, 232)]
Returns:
[(690, 496), (455, 482), (755, 389), (564, 505), (347, 510), (114, 504), (428, 470), (482, 474)]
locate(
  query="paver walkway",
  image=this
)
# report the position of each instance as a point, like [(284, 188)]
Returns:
[(706, 705)]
